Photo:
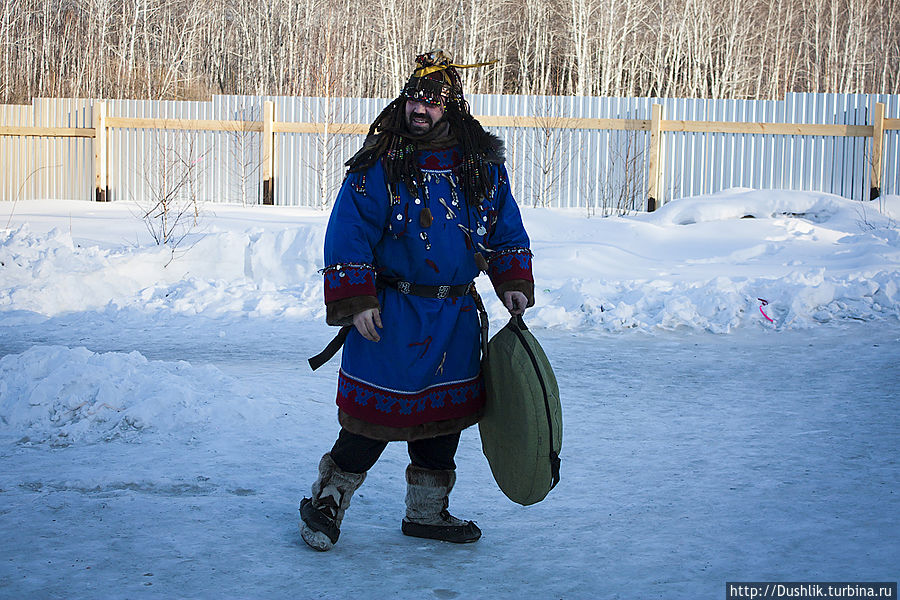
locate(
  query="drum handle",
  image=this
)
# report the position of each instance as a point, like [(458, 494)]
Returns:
[(518, 327)]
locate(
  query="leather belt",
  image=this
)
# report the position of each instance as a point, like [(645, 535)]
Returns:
[(413, 289), (425, 291)]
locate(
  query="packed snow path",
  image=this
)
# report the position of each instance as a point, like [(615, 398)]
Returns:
[(688, 460)]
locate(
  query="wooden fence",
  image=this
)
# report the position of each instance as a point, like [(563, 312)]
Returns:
[(657, 127)]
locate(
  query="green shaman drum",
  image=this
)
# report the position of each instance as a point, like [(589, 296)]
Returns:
[(521, 431)]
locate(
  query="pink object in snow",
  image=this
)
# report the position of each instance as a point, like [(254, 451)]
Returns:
[(764, 303)]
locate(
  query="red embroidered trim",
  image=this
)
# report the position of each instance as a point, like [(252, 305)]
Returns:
[(398, 409), (439, 160), (348, 280), (507, 265)]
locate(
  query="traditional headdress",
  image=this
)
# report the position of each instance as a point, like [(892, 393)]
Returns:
[(435, 80)]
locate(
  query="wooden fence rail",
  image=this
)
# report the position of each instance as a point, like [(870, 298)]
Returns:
[(657, 126), (875, 131)]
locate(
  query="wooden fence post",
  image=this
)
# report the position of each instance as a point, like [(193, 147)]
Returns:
[(101, 184), (877, 143), (268, 154), (655, 158)]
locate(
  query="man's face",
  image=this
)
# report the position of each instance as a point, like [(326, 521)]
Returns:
[(421, 116)]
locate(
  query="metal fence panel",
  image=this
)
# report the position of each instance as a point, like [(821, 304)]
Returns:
[(549, 166)]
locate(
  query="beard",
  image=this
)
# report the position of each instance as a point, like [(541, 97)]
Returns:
[(419, 123)]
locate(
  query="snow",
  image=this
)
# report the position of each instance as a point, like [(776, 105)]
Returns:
[(159, 424)]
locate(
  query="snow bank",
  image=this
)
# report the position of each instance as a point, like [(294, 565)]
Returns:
[(254, 272), (742, 203), (62, 396), (797, 300), (709, 263), (706, 263)]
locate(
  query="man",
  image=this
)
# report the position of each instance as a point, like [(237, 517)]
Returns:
[(425, 206)]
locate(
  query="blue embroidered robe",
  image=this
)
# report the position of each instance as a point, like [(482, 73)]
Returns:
[(423, 377)]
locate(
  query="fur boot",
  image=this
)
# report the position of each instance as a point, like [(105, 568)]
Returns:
[(427, 499), (321, 515)]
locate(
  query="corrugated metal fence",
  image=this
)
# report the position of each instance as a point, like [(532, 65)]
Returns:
[(602, 170)]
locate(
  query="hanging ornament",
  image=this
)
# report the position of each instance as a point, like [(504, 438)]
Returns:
[(450, 214), (425, 218)]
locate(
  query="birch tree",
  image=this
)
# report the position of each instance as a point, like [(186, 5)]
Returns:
[(189, 49)]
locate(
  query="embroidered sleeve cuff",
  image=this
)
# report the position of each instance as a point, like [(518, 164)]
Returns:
[(347, 280), (507, 265), (340, 312)]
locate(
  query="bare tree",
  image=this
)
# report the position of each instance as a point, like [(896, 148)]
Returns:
[(623, 188), (546, 154), (172, 210), (188, 49), (245, 152)]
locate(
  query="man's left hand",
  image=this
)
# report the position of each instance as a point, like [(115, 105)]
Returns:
[(515, 302)]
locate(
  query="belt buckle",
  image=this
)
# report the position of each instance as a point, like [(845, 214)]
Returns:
[(403, 287), (443, 291)]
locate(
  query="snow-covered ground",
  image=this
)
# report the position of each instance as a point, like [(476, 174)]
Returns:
[(729, 390)]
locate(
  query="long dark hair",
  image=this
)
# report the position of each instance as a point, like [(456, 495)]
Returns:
[(390, 141)]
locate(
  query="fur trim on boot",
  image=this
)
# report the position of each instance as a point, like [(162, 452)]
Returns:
[(427, 499), (321, 515)]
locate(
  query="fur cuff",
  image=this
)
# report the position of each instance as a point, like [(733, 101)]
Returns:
[(340, 312), (331, 474), (406, 434), (427, 494), (444, 479), (517, 285)]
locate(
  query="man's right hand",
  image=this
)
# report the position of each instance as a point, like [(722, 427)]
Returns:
[(366, 322)]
